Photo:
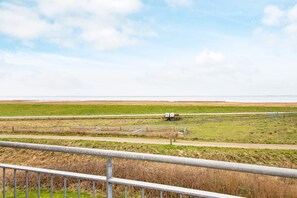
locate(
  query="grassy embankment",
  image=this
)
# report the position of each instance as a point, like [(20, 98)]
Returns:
[(67, 109)]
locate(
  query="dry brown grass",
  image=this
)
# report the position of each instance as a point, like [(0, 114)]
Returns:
[(89, 132), (242, 184), (115, 127)]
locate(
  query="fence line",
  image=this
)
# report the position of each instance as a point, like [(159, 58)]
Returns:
[(61, 117), (110, 180), (128, 130)]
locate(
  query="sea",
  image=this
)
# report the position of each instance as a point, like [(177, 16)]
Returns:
[(248, 98)]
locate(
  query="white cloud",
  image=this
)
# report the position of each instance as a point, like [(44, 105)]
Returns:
[(207, 73), (27, 73), (49, 74), (219, 64), (292, 13), (268, 38), (279, 27), (178, 3), (99, 23), (209, 58), (291, 29), (206, 67), (21, 22), (57, 8), (272, 15)]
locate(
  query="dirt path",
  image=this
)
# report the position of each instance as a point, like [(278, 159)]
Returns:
[(134, 115), (159, 141)]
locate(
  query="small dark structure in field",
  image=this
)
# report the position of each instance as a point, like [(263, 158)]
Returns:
[(172, 116)]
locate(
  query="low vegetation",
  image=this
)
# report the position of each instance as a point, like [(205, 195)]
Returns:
[(271, 128), (45, 193), (279, 158), (277, 129), (70, 109)]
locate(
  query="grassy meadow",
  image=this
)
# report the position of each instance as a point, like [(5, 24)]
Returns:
[(277, 129), (85, 109)]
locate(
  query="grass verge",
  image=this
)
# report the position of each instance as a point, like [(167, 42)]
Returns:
[(281, 158), (21, 193)]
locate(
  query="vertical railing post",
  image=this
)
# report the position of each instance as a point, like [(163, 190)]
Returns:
[(108, 176), (14, 183), (52, 186), (78, 188), (4, 181), (27, 184), (65, 187), (38, 185), (94, 190)]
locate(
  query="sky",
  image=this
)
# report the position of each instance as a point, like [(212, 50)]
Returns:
[(148, 47)]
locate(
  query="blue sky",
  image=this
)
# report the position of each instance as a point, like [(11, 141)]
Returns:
[(152, 47)]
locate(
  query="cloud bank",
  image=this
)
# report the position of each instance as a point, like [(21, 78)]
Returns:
[(98, 23)]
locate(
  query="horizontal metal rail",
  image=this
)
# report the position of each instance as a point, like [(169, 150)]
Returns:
[(113, 180), (167, 188), (135, 115), (239, 167), (54, 172)]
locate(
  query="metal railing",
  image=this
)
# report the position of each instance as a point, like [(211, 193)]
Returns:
[(110, 180)]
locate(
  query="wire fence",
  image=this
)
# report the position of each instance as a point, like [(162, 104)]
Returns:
[(128, 130)]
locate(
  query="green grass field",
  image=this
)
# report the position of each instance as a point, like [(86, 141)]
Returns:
[(243, 129), (61, 109), (277, 129), (45, 193), (248, 129)]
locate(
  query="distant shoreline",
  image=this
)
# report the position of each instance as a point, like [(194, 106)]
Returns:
[(149, 102), (153, 99)]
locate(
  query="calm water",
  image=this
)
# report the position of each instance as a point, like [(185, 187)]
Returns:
[(291, 98)]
